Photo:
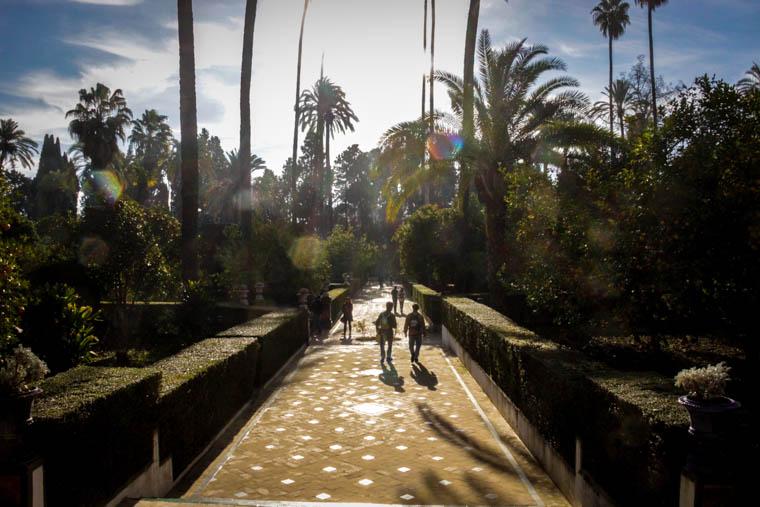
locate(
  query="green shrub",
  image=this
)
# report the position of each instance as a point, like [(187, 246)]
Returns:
[(59, 329), (94, 429), (429, 301), (202, 387), (348, 253), (437, 246), (633, 431)]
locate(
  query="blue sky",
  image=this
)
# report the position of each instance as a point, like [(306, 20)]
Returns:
[(52, 48)]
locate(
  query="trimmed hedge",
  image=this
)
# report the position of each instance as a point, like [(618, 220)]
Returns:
[(94, 426), (203, 387), (430, 303), (632, 429), (337, 298), (280, 335)]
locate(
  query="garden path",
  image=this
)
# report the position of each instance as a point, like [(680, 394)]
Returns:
[(343, 429)]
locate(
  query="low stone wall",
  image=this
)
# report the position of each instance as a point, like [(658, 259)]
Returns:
[(604, 436)]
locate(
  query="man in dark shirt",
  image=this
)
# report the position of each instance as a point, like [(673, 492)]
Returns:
[(414, 328), (386, 328), (394, 297)]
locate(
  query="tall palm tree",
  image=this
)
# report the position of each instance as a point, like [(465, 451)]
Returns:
[(622, 99), (15, 147), (326, 111), (611, 16), (244, 176), (296, 108), (752, 80), (471, 39), (651, 5), (98, 124), (188, 118), (151, 141), (517, 116)]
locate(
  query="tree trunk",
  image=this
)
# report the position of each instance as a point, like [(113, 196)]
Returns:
[(651, 70), (468, 115), (426, 185), (621, 113), (328, 175), (496, 244), (422, 116), (609, 91), (189, 140), (244, 188), (296, 108)]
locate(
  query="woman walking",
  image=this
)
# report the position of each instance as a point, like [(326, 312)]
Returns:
[(348, 317)]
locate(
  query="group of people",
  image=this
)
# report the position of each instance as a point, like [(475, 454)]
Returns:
[(319, 312), (386, 323), (414, 329)]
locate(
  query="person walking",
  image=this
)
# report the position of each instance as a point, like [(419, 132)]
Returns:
[(394, 297), (315, 311), (348, 316), (414, 328), (401, 298), (386, 328)]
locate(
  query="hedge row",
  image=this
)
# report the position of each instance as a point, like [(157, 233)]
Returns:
[(632, 430), (203, 386), (94, 428), (430, 303), (337, 298), (94, 425), (280, 334)]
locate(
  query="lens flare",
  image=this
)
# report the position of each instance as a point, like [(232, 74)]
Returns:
[(305, 252), (444, 146), (108, 185)]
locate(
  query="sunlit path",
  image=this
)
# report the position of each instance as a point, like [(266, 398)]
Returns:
[(341, 428)]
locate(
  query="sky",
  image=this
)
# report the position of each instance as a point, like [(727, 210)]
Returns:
[(52, 48)]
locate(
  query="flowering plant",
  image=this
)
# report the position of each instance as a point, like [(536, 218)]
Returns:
[(19, 369), (705, 383)]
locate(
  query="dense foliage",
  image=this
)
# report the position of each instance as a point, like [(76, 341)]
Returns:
[(665, 240)]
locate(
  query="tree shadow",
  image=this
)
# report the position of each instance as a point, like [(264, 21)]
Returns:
[(475, 448), (390, 377), (424, 377)]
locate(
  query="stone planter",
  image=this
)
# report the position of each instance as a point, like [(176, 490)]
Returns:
[(15, 416), (239, 294), (259, 289), (708, 416)]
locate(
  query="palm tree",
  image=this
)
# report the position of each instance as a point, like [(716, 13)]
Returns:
[(611, 16), (151, 141), (471, 39), (751, 82), (244, 176), (326, 111), (296, 108), (651, 5), (98, 124), (622, 100), (188, 118), (517, 117), (15, 147)]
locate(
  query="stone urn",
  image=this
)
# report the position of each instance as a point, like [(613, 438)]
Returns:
[(708, 417), (258, 288), (347, 279), (239, 294), (15, 417)]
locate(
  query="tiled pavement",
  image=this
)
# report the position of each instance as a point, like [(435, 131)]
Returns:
[(342, 428)]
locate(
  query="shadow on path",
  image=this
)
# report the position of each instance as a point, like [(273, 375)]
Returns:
[(424, 377), (390, 377)]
